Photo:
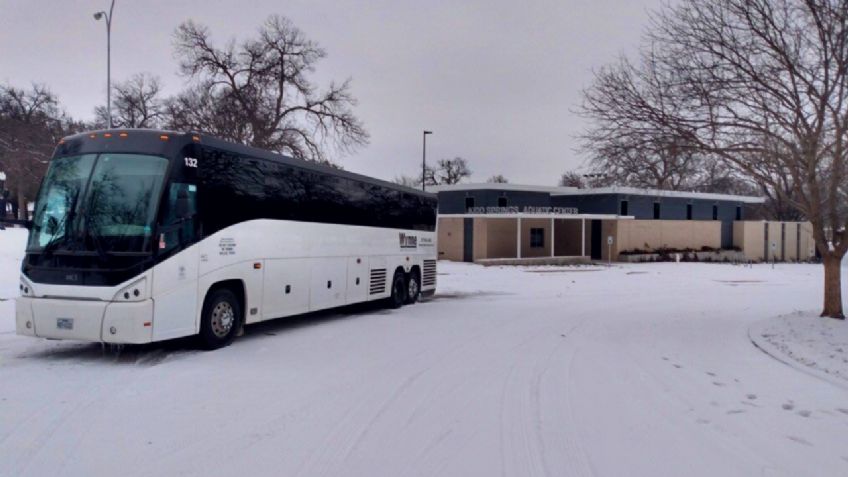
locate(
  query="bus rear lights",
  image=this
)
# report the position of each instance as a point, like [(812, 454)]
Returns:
[(163, 137), (113, 330), (195, 138), (123, 134)]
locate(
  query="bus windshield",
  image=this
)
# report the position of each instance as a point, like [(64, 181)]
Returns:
[(98, 203)]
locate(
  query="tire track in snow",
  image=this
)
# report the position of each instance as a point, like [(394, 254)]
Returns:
[(527, 437)]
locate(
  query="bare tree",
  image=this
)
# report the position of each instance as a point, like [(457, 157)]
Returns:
[(259, 92), (497, 179), (408, 181), (760, 84), (31, 123), (136, 104), (572, 179), (447, 172)]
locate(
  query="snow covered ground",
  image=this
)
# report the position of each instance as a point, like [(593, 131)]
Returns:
[(814, 345), (642, 369)]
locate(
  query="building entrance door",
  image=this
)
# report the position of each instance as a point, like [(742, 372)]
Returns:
[(597, 240)]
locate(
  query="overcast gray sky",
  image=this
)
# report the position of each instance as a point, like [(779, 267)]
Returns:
[(494, 80)]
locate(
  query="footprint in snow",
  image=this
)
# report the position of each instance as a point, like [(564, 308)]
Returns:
[(842, 410), (718, 383), (751, 396), (799, 440), (804, 413), (736, 411), (710, 373), (788, 406), (677, 366)]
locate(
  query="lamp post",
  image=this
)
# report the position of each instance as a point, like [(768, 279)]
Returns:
[(108, 17), (424, 162)]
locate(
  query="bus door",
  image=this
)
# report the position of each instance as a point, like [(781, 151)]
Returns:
[(175, 276)]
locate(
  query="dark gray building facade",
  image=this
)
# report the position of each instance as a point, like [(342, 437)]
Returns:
[(641, 204)]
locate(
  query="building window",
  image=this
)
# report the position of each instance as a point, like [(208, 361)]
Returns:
[(656, 210), (469, 203), (688, 211), (537, 238), (502, 201), (715, 212), (738, 212), (625, 208)]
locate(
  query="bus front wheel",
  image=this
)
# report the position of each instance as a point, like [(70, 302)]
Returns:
[(220, 319), (398, 297)]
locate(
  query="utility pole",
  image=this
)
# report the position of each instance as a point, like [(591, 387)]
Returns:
[(424, 162), (108, 17)]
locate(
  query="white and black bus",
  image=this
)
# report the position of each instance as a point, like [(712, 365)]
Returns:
[(142, 235)]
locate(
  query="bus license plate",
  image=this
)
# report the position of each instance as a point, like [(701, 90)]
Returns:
[(65, 323)]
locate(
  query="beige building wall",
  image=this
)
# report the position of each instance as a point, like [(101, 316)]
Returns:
[(450, 239), (526, 250), (750, 237), (568, 235), (774, 241), (790, 245), (808, 244), (502, 238), (481, 239), (656, 234)]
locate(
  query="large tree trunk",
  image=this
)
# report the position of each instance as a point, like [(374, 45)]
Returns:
[(832, 287)]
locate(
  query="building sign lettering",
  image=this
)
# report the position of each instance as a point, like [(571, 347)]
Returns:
[(524, 210)]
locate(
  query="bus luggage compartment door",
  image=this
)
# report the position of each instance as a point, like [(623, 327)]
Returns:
[(329, 281)]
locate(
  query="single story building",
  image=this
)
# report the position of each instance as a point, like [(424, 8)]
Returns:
[(482, 222)]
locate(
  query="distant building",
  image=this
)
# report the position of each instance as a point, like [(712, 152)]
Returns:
[(479, 222)]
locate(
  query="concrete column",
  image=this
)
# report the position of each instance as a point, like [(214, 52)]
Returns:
[(553, 237), (583, 240), (518, 239)]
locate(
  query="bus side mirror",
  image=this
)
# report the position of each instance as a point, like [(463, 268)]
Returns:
[(183, 207)]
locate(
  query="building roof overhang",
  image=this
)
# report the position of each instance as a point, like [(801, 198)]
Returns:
[(573, 191)]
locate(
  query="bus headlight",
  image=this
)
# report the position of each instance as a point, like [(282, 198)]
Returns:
[(135, 291)]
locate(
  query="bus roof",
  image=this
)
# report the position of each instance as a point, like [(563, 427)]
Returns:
[(141, 141)]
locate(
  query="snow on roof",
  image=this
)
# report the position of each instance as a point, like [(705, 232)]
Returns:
[(500, 186), (567, 191)]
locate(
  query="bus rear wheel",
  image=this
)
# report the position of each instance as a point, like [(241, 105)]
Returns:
[(398, 297), (413, 288), (220, 320)]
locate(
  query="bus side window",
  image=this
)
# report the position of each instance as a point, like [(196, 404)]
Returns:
[(178, 230)]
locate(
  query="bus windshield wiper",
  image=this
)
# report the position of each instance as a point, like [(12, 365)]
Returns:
[(66, 219)]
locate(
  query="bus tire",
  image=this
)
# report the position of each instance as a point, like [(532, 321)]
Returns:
[(398, 296), (413, 287), (220, 320)]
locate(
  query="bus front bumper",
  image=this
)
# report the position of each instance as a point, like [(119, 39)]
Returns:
[(84, 320)]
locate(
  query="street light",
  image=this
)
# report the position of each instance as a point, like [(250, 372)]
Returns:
[(424, 162), (108, 17)]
